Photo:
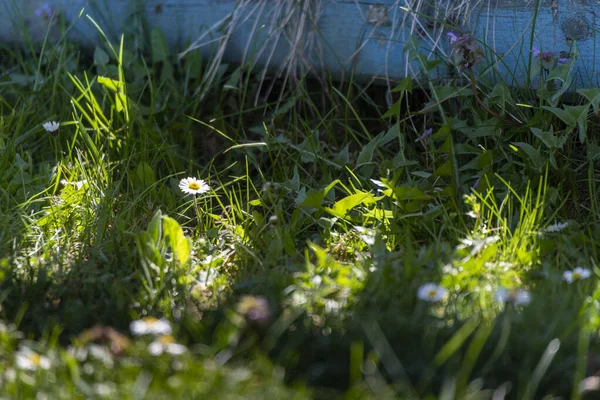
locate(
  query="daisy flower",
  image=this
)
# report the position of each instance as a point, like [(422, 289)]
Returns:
[(556, 227), (431, 292), (51, 126), (150, 325), (166, 344), (514, 296), (577, 274), (28, 359), (193, 186)]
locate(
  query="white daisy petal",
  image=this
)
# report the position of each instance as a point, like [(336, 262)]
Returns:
[(150, 325), (518, 297), (501, 295), (193, 186), (176, 349), (577, 274), (51, 126), (28, 359), (431, 292), (522, 298), (156, 348)]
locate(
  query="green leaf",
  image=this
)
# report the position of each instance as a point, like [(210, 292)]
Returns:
[(174, 237), (561, 73), (155, 228), (532, 153), (160, 50), (549, 138), (341, 207), (573, 115), (109, 83), (121, 101), (501, 95), (405, 84), (407, 193), (145, 174), (366, 154), (314, 199), (593, 96), (100, 57)]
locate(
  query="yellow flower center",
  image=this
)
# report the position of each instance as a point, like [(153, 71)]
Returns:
[(194, 185), (35, 358), (432, 293), (576, 275), (166, 339), (150, 320)]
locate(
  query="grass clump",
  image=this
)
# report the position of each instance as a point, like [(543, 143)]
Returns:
[(156, 243)]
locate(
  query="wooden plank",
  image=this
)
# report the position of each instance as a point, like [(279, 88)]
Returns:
[(366, 36)]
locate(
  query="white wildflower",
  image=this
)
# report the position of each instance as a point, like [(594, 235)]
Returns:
[(28, 359), (166, 344), (556, 227), (193, 186), (150, 325), (51, 126), (514, 296), (431, 292), (577, 274)]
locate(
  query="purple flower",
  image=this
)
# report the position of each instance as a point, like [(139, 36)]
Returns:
[(45, 11), (535, 51), (452, 37), (254, 309), (563, 60), (476, 184), (425, 134)]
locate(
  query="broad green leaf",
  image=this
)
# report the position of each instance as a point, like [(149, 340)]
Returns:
[(407, 193), (175, 238), (109, 83), (155, 228), (501, 95), (573, 115), (405, 84), (314, 199), (100, 57), (561, 73), (145, 174), (341, 207), (366, 154), (160, 50), (549, 138), (532, 153), (593, 96)]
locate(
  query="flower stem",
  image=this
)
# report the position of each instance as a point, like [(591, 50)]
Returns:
[(198, 216)]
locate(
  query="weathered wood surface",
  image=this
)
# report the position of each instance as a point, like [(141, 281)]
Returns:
[(366, 37)]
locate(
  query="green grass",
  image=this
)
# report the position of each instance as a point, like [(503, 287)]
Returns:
[(297, 274)]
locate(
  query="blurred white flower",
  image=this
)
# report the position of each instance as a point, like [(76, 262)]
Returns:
[(431, 292), (514, 296), (556, 227), (150, 325), (51, 126), (577, 274), (28, 359), (193, 186), (166, 344)]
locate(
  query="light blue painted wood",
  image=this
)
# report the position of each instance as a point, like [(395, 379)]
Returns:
[(366, 36)]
